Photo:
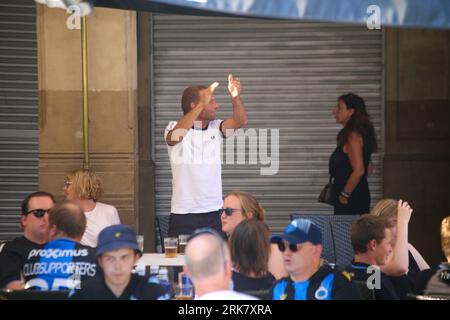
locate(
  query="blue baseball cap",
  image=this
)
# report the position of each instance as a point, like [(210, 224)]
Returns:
[(300, 231), (115, 237)]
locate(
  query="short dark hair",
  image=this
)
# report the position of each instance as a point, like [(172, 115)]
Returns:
[(68, 218), (250, 247), (26, 201), (190, 94), (367, 228)]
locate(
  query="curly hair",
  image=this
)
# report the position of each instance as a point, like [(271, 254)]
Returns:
[(86, 183)]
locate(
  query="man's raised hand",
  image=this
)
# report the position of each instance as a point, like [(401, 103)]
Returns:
[(234, 86), (206, 94)]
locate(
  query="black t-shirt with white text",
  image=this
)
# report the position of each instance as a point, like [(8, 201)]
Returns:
[(13, 256)]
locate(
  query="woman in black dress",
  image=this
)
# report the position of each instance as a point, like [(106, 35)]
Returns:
[(349, 163)]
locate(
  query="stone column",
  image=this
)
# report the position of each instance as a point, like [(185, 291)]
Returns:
[(112, 98)]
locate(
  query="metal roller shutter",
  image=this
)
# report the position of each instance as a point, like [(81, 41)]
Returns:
[(18, 110), (291, 73)]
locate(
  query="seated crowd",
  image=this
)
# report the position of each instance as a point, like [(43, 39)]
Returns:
[(249, 264)]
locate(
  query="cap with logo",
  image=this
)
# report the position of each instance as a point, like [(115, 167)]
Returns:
[(300, 231), (116, 237)]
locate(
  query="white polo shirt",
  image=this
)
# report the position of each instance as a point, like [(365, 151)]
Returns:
[(196, 169)]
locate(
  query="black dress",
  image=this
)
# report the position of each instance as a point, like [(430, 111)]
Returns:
[(340, 169)]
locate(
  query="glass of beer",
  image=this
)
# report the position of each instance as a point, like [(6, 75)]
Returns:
[(140, 242), (182, 242), (170, 247)]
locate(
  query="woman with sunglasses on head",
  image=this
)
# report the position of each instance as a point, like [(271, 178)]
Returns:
[(350, 162), (239, 206), (84, 187)]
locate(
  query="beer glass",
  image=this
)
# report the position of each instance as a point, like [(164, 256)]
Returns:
[(170, 247)]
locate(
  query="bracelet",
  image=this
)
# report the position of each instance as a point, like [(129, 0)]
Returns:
[(345, 194)]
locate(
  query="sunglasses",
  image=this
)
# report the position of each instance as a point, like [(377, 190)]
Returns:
[(282, 246), (228, 211), (38, 213)]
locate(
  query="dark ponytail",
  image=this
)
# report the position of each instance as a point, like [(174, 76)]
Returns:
[(359, 122)]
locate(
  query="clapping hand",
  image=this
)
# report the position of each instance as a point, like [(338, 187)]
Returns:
[(404, 211), (234, 86), (206, 94)]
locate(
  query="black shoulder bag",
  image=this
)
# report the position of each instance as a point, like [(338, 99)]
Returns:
[(328, 193)]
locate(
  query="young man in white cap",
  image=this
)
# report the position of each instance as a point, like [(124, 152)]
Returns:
[(117, 253), (301, 245)]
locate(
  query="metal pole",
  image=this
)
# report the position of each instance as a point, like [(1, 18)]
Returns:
[(85, 93)]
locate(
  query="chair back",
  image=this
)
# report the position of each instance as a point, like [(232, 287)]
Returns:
[(336, 236), (323, 222), (341, 228), (162, 231)]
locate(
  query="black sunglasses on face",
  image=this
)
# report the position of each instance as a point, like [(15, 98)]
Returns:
[(38, 213), (228, 211), (282, 247)]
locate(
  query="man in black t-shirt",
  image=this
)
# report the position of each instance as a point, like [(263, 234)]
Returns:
[(372, 243), (117, 253), (34, 223)]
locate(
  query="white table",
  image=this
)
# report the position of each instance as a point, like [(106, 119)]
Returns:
[(159, 259)]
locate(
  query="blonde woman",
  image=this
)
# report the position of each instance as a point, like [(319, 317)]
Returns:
[(84, 187), (405, 263), (239, 206)]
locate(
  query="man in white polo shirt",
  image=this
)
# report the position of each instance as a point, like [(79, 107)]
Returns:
[(194, 145)]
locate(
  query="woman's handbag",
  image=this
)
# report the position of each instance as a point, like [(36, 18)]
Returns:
[(328, 194)]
